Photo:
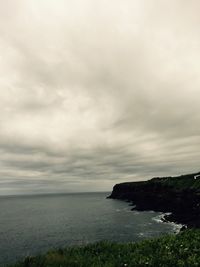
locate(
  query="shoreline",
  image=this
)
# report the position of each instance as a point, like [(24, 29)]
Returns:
[(178, 195), (162, 219), (165, 216)]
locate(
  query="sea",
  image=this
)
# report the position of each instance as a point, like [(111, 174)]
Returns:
[(31, 225)]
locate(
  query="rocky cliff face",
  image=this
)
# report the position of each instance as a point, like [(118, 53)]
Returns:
[(178, 195)]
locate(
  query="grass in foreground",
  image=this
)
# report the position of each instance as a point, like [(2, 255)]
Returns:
[(182, 250)]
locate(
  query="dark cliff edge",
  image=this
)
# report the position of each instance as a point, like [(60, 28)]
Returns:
[(179, 196)]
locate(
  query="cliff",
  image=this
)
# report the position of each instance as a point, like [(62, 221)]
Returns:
[(178, 195)]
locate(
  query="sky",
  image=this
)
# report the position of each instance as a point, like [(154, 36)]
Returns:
[(94, 93)]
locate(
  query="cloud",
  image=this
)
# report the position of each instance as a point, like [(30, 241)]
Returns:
[(93, 93)]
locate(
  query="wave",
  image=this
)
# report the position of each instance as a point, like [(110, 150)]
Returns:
[(162, 219)]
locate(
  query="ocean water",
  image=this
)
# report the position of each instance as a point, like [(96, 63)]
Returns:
[(34, 224)]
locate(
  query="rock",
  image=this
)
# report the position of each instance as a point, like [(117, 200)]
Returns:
[(178, 195)]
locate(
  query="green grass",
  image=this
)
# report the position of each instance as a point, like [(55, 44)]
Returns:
[(183, 182), (182, 250), (179, 183)]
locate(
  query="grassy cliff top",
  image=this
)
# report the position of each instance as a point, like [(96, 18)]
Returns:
[(183, 182), (182, 250)]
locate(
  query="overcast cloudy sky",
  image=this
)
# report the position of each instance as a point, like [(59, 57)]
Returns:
[(96, 92)]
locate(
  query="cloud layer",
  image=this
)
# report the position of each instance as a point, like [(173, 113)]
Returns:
[(97, 92)]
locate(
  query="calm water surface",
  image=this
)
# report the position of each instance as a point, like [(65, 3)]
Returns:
[(34, 224)]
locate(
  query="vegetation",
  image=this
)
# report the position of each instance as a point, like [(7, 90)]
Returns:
[(183, 182), (182, 250)]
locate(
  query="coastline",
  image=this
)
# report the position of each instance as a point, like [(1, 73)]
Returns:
[(178, 198), (162, 218), (62, 221)]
